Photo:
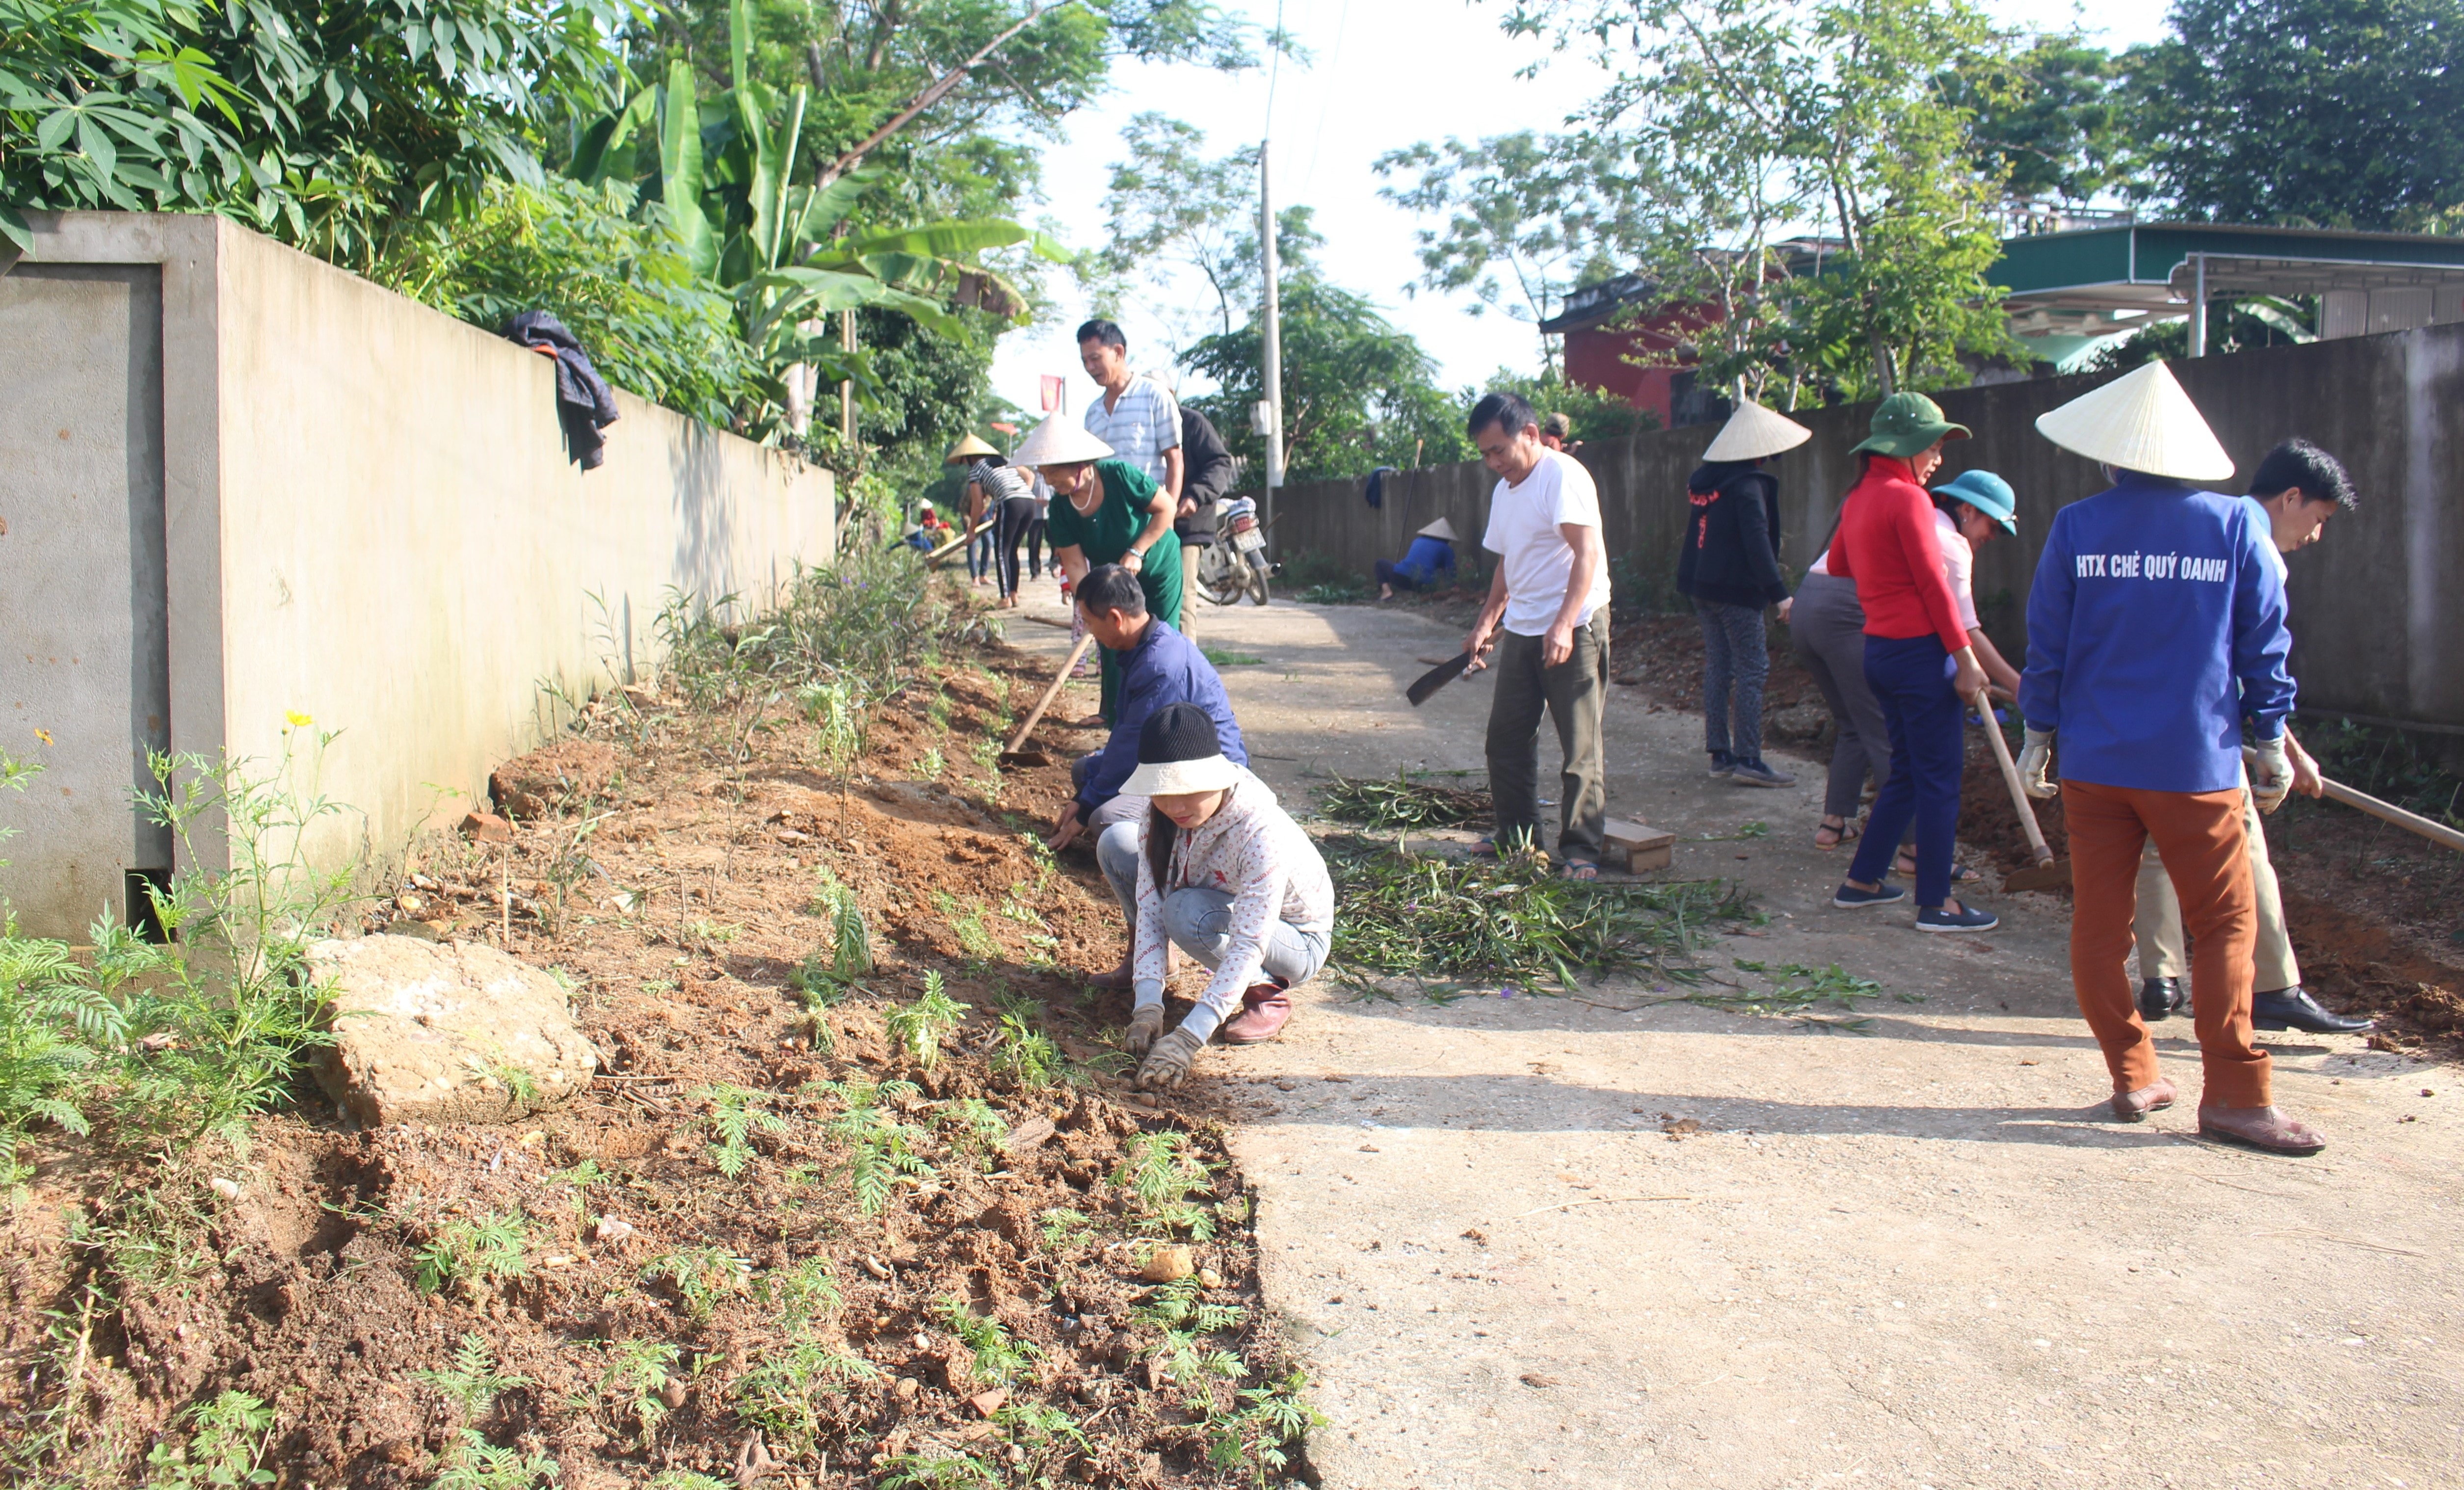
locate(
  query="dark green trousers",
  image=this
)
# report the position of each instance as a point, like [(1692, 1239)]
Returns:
[(1573, 695)]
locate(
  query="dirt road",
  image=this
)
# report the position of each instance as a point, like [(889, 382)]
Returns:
[(1915, 1257)]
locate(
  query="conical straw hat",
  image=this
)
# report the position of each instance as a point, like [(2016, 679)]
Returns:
[(2143, 421), (1060, 441), (1754, 431), (1439, 529), (968, 449)]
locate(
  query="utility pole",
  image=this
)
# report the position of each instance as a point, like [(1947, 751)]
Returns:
[(1274, 368)]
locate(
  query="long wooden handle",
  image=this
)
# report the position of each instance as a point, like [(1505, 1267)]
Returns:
[(1045, 702), (2389, 812), (952, 546), (2011, 779)]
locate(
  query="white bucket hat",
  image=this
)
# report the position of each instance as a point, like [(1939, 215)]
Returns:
[(1754, 433), (1439, 529), (2141, 422), (1179, 752), (1060, 441)]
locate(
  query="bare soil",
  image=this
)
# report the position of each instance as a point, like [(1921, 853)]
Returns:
[(674, 883)]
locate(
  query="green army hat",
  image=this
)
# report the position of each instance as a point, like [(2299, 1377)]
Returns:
[(1907, 424)]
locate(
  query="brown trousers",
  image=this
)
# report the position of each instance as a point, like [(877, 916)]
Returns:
[(2199, 836)]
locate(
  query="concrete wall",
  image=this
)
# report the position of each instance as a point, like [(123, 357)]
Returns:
[(2378, 603), (368, 518)]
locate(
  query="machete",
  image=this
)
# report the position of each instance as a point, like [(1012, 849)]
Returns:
[(1437, 677)]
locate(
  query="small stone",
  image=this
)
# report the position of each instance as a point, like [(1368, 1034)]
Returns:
[(876, 1267), (2427, 1092), (906, 1389), (1169, 1265), (408, 905), (1208, 1278), (228, 1189), (486, 827), (987, 1403), (611, 1232), (674, 1393)]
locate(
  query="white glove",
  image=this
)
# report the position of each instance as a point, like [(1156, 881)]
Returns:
[(1146, 1023), (2036, 764), (1168, 1064), (2271, 775)]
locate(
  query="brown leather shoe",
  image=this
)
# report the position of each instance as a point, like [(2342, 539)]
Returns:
[(2261, 1128), (1265, 1008), (2133, 1107)]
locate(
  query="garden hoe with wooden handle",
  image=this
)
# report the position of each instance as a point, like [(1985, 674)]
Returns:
[(2047, 872), (933, 559), (1015, 756), (2384, 811)]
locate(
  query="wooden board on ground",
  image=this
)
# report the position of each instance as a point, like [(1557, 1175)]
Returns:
[(1640, 847)]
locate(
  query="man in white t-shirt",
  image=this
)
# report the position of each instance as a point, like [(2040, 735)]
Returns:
[(1551, 597)]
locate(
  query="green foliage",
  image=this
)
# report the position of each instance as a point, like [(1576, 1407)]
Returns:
[(785, 1394), (968, 925), (2052, 122), (803, 1294), (994, 1355), (474, 1464), (880, 1147), (1179, 1315), (1158, 1174), (916, 1030), (1168, 204), (1063, 1228), (636, 1375), (1590, 414), (227, 1437), (2309, 113), (60, 1019), (472, 1383), (1403, 804), (1024, 1053), (475, 1251), (701, 1276), (736, 1112), (1323, 580), (975, 1123), (938, 1469), (1257, 1437)]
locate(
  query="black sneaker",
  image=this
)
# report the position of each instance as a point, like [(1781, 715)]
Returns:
[(1967, 918)]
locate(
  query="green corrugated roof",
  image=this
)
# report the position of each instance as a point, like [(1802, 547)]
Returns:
[(2148, 253)]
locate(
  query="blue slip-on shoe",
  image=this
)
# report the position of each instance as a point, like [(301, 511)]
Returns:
[(1848, 897), (1967, 918), (1722, 764), (1753, 773)]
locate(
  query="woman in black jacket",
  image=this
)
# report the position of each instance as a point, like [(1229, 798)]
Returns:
[(1729, 565)]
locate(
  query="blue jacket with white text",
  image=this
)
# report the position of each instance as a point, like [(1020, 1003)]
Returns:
[(2155, 624)]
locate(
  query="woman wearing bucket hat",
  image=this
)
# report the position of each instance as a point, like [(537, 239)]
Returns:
[(2156, 629), (1970, 509), (1106, 512), (1224, 874), (1918, 659), (1729, 566), (1431, 552)]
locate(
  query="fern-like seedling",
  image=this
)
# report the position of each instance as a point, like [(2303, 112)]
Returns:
[(734, 1114), (475, 1251), (880, 1147), (995, 1356), (917, 1030), (1160, 1173), (472, 1383)]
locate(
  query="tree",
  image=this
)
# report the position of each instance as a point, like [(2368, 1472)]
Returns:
[(1358, 393), (1168, 204), (2331, 112), (2052, 122)]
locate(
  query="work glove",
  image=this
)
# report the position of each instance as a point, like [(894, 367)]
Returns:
[(1146, 1023), (1167, 1065), (2035, 765), (2271, 773)]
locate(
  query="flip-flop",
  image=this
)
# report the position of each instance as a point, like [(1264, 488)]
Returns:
[(1581, 869)]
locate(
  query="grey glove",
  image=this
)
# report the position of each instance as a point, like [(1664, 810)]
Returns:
[(1167, 1065), (2271, 775), (1146, 1023), (2035, 765)]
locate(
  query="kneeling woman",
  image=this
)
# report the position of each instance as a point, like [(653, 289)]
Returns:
[(1226, 876)]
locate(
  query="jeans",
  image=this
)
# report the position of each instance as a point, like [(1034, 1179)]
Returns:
[(1573, 694), (1827, 628), (1200, 920), (1116, 852), (1911, 680), (1017, 518), (1735, 666), (980, 553)]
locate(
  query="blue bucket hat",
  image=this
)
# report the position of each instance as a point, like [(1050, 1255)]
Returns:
[(1987, 492)]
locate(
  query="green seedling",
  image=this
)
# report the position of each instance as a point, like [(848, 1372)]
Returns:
[(1158, 1174), (636, 1381), (472, 1383), (784, 1396), (938, 1470), (995, 1357), (475, 1252), (227, 1437), (1064, 1228), (801, 1295), (581, 1177), (1180, 1315), (880, 1148), (917, 1030), (736, 1113), (1025, 1054), (1257, 1437), (701, 1276), (687, 1479), (929, 765), (474, 1464), (969, 925)]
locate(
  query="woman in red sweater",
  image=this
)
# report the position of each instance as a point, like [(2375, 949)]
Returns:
[(1918, 660)]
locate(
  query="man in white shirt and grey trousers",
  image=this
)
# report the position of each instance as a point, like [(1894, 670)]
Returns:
[(1550, 595)]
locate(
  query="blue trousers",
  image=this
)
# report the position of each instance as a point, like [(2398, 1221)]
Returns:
[(1911, 680)]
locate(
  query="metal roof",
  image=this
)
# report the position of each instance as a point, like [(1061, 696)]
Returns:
[(2105, 279)]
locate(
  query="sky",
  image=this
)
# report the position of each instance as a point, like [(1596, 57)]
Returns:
[(1382, 74)]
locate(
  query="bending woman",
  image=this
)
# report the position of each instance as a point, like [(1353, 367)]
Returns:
[(1918, 660), (1106, 512), (1226, 876)]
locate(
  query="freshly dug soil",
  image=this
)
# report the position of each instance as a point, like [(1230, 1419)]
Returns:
[(674, 883)]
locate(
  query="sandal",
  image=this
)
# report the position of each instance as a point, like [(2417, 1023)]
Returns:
[(1580, 870), (1906, 866), (1843, 832)]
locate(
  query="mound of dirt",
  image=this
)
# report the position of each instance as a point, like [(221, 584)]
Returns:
[(565, 777)]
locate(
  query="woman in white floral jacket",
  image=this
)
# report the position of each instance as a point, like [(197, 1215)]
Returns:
[(1224, 874)]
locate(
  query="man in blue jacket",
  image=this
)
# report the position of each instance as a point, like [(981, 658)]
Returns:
[(2155, 627), (1159, 667)]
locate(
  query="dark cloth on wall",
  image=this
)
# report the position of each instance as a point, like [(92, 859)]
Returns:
[(1729, 554), (584, 403), (1374, 492), (1205, 476)]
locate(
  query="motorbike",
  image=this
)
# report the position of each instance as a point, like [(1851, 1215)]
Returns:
[(1235, 564)]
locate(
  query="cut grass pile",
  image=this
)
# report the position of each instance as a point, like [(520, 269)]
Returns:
[(1403, 804), (1511, 922)]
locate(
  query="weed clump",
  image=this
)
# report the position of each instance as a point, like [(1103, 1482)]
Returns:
[(1403, 804)]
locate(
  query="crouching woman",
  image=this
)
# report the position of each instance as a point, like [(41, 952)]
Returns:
[(1226, 876)]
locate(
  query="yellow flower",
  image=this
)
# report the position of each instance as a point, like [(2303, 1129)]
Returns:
[(45, 735), (298, 721)]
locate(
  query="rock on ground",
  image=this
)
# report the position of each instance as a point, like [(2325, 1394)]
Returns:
[(557, 777), (453, 1032)]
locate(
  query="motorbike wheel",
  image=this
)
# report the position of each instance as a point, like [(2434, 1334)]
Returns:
[(1258, 578), (1218, 582)]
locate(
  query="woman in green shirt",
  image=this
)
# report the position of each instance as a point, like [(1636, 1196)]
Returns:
[(1106, 512)]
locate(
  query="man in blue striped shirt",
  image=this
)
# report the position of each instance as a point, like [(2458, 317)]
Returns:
[(1135, 415)]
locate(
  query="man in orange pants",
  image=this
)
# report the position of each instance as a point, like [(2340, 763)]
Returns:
[(2155, 629)]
